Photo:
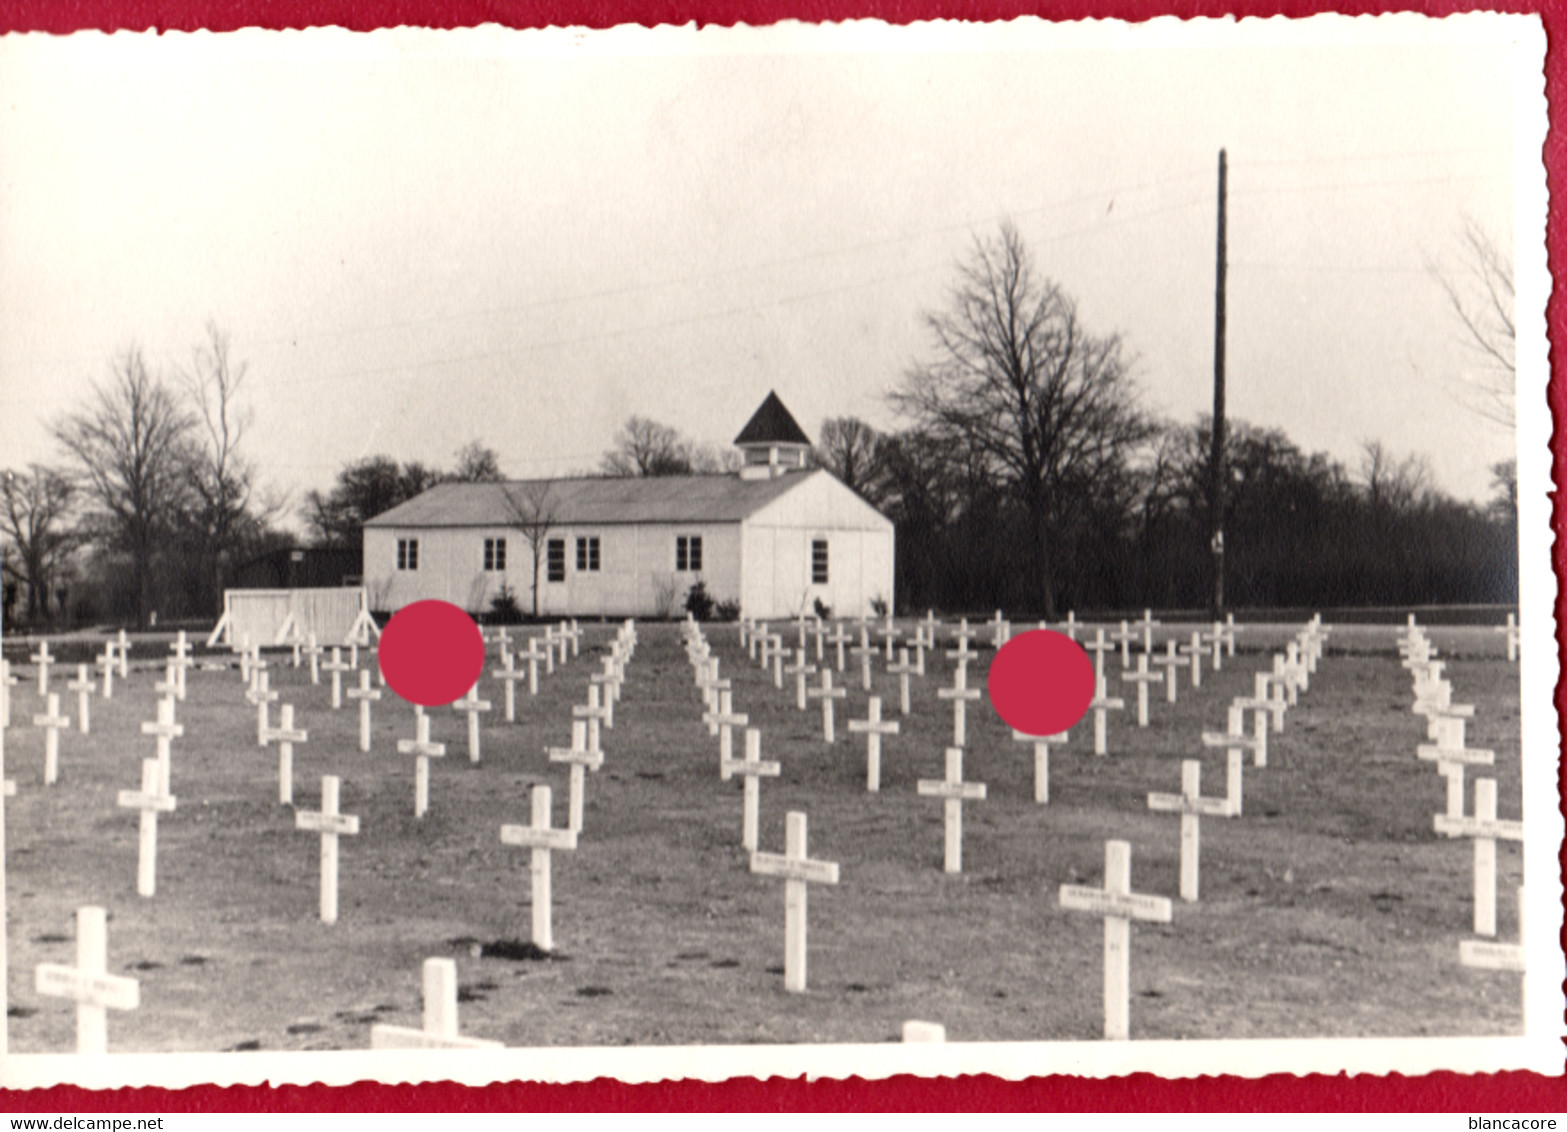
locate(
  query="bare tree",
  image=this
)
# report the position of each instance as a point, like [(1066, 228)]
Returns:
[(1393, 486), (1020, 385), (856, 453), (1479, 288), (226, 515), (533, 512), (37, 505), (476, 464), (644, 447), (127, 443)]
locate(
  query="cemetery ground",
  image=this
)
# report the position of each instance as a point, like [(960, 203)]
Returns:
[(1329, 908)]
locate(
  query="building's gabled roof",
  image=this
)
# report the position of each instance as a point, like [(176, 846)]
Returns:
[(772, 424), (595, 501)]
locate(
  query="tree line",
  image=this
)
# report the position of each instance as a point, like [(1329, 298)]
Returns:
[(1027, 475)]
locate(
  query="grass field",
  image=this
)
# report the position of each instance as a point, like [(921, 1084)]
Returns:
[(1329, 908)]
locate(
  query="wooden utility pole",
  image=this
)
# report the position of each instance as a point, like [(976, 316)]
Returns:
[(1216, 458)]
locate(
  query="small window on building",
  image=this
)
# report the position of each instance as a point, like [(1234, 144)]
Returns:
[(495, 554), (588, 553), (688, 553), (818, 561), (555, 560), (408, 554)]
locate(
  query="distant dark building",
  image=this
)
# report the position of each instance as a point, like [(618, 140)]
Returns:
[(298, 568)]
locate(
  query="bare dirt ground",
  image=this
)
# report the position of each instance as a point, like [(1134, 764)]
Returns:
[(1329, 908)]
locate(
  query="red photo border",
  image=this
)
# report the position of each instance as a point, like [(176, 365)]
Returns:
[(1436, 1092)]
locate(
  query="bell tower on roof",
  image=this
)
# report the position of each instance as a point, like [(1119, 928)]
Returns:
[(772, 442)]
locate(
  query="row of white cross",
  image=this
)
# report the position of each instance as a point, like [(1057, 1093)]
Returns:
[(1446, 724)]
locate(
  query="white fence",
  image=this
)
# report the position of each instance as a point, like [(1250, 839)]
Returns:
[(339, 616)]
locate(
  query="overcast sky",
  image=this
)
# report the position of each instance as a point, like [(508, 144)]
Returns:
[(419, 239)]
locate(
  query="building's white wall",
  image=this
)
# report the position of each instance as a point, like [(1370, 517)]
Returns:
[(636, 575), (776, 550)]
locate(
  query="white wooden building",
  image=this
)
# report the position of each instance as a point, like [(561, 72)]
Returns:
[(777, 536)]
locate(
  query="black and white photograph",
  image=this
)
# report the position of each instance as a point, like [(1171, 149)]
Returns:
[(656, 553)]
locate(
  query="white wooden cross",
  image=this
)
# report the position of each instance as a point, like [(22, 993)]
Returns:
[(1124, 638), (827, 694), (610, 680), (1194, 653), (773, 654), (1190, 804), (1511, 629), (1236, 744), (262, 696), (53, 723), (1119, 906), (724, 720), (89, 984), (1148, 624), (889, 634), (425, 750), (1263, 700), (1100, 704), (800, 670), (1041, 760), (1230, 629), (285, 736), (873, 728), (532, 655), (839, 638), (864, 651), (366, 696), (960, 693), (594, 713), (1099, 648), (336, 667), (7, 682), (1170, 662), (440, 1016), (244, 660), (1069, 626), (798, 871), (754, 632), (43, 660), (1142, 678), (953, 791), (181, 660), (170, 684), (550, 641), (1451, 756), (151, 801), (963, 634), (961, 656), (819, 634), (123, 645), (539, 837), (581, 760), (903, 670), (353, 655), (1486, 831), (164, 730), (509, 676), (753, 769), (471, 705), (313, 650), (84, 686), (1215, 640), (108, 664), (330, 825), (576, 639)]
